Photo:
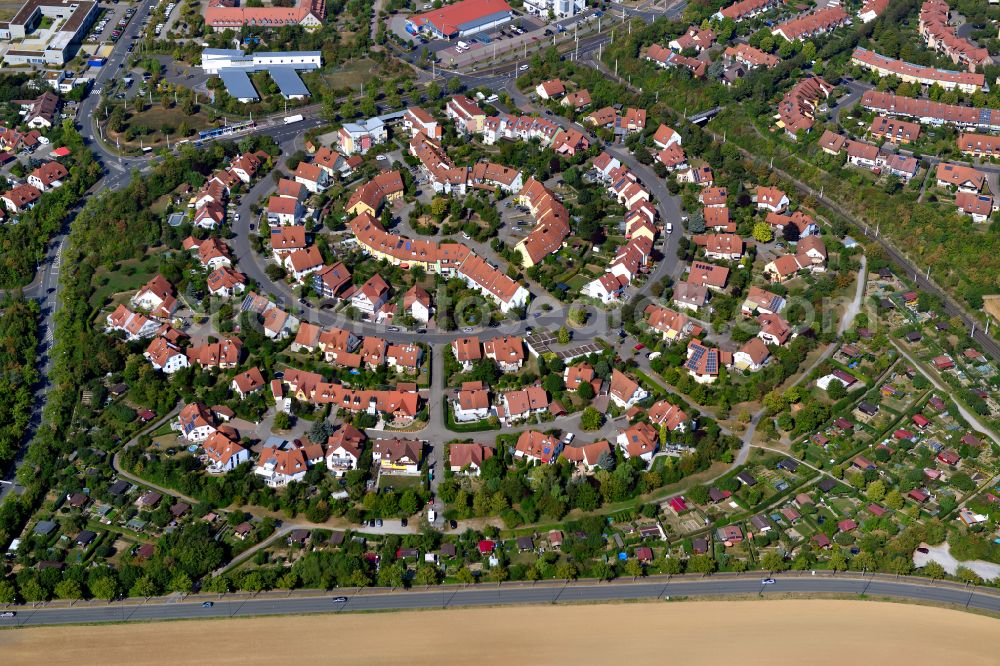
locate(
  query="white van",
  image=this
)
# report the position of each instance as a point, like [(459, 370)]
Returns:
[(670, 228)]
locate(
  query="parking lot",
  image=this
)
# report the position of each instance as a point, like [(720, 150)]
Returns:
[(113, 20)]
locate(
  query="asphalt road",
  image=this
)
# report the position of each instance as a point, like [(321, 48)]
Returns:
[(458, 597)]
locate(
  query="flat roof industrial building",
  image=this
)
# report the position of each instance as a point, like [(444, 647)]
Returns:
[(31, 44), (466, 17), (234, 68)]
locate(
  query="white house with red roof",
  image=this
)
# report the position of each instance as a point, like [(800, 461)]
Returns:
[(165, 356), (417, 302), (225, 282), (135, 325), (302, 263), (607, 288), (664, 137), (284, 211), (472, 402), (281, 467), (507, 352), (157, 297), (223, 454), (537, 446), (312, 177), (247, 383), (752, 355), (625, 391), (371, 296), (639, 441), (468, 458), (771, 198), (550, 89), (196, 422), (586, 456)]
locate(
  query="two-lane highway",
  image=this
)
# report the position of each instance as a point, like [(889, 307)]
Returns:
[(909, 588)]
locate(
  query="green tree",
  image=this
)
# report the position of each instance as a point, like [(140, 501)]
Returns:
[(359, 578), (603, 571), (427, 575), (762, 232), (864, 561), (673, 566), (838, 561), (498, 574), (289, 581), (634, 568), (32, 590), (181, 582), (145, 587), (934, 570), (439, 206), (591, 419), (562, 336), (875, 491), (465, 576), (252, 582), (703, 564), (698, 494), (567, 571), (585, 391), (391, 576), (772, 561), (217, 584), (8, 594), (68, 589), (105, 587), (282, 421), (836, 390), (967, 575), (894, 500), (409, 504)]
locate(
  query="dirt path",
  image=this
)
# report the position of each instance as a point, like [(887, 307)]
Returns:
[(806, 631)]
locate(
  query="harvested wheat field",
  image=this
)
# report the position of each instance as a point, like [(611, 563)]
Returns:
[(752, 632)]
